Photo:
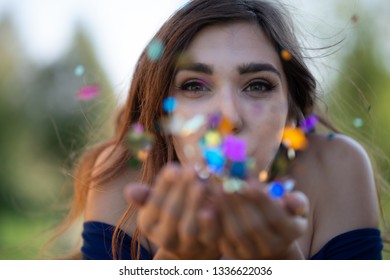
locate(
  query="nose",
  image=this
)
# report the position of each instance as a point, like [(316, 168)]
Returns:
[(229, 106)]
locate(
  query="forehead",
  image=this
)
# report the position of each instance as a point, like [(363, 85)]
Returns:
[(235, 42)]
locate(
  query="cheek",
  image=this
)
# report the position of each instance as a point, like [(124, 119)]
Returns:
[(268, 119), (267, 124)]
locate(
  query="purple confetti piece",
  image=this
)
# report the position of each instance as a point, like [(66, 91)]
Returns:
[(234, 148), (309, 123), (214, 120)]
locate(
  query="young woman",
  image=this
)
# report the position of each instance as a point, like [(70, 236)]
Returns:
[(237, 61)]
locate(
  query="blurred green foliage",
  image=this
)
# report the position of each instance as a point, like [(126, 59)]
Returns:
[(44, 127), (358, 104)]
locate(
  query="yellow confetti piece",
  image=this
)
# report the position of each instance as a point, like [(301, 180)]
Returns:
[(294, 138), (213, 138)]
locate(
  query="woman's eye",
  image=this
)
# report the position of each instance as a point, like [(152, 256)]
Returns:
[(259, 86), (194, 86)]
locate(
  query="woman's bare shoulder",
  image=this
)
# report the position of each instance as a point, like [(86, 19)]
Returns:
[(105, 201), (346, 197)]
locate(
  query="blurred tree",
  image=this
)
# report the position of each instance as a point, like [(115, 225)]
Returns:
[(44, 126), (358, 103)]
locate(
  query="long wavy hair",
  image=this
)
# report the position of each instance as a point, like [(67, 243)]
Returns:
[(151, 83)]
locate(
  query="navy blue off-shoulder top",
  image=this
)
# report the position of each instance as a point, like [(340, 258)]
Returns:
[(359, 244)]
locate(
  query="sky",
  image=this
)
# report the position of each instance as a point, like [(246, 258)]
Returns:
[(120, 29)]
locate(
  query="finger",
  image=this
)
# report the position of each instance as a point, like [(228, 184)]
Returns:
[(262, 238), (297, 203), (136, 194), (210, 228), (172, 210), (234, 230), (276, 215), (149, 215), (189, 224), (227, 249)]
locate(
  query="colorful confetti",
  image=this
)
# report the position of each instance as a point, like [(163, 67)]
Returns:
[(215, 120), (276, 189), (139, 142), (286, 55), (225, 126), (79, 70), (234, 148), (193, 125), (87, 93), (213, 138), (224, 156), (215, 160), (155, 50), (309, 123), (294, 138), (331, 135), (263, 176), (231, 185), (238, 170), (358, 122), (169, 104)]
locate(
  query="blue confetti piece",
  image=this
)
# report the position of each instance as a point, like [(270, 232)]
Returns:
[(169, 104), (358, 122), (238, 169), (331, 135), (276, 190), (215, 160), (155, 50), (79, 70)]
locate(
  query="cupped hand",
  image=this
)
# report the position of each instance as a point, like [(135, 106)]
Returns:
[(176, 215), (256, 226)]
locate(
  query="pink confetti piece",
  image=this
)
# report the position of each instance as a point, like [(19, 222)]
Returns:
[(87, 93), (138, 128)]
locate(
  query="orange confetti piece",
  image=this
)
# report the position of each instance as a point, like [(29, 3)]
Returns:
[(286, 55), (294, 138), (142, 155), (225, 126), (263, 176)]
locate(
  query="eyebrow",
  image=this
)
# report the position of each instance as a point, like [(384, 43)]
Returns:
[(197, 67), (257, 67), (242, 69)]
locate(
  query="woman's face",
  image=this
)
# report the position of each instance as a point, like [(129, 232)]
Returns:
[(236, 71)]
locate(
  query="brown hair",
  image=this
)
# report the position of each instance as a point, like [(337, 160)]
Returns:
[(152, 81)]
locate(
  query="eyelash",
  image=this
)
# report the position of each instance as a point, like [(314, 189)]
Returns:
[(265, 85), (201, 87)]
